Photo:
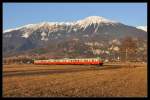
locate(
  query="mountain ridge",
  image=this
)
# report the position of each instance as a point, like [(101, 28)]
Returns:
[(87, 20)]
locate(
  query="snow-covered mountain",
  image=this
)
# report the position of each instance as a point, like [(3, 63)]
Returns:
[(52, 26), (142, 28), (52, 34)]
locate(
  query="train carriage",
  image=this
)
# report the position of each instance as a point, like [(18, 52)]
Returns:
[(84, 61)]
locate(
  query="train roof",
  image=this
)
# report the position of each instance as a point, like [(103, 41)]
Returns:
[(74, 58)]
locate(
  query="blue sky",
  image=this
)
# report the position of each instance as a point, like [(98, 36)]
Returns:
[(18, 14)]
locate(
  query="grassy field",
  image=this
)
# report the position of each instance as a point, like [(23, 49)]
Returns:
[(74, 81)]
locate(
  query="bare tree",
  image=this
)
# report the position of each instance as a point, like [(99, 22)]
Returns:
[(128, 46)]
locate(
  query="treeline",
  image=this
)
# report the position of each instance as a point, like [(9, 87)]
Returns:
[(17, 61), (21, 60)]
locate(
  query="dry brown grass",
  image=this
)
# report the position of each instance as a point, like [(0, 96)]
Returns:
[(110, 82)]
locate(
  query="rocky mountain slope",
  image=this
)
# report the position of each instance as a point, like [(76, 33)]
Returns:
[(87, 37)]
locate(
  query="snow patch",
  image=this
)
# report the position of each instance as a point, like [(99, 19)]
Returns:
[(25, 35), (93, 20), (75, 29), (43, 34), (142, 28), (96, 28)]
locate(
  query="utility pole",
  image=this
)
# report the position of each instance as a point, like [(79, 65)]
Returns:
[(126, 53)]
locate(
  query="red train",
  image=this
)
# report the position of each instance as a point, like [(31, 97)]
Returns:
[(85, 61)]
